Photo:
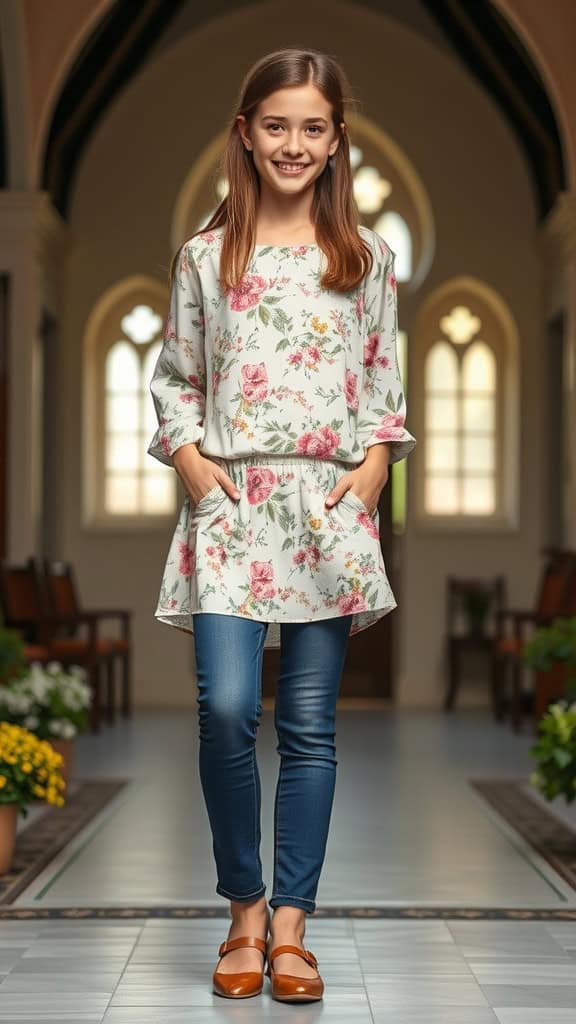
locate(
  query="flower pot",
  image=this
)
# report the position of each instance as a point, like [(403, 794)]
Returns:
[(66, 748), (8, 820)]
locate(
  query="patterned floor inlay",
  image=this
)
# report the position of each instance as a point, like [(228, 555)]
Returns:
[(552, 838), (360, 913), (38, 843)]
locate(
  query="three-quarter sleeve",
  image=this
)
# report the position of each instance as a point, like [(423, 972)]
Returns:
[(382, 405), (178, 385)]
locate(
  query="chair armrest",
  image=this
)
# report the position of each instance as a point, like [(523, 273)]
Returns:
[(108, 613)]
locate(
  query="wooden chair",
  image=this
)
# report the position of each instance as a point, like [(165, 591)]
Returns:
[(459, 639), (64, 603), (553, 598), (24, 607)]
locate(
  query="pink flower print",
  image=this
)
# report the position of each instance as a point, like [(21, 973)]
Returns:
[(295, 358), (262, 580), (368, 523), (352, 602), (166, 446), (299, 558), (248, 292), (321, 443), (216, 378), (194, 380), (313, 555), (392, 281), (360, 305), (350, 389), (371, 348), (382, 361), (391, 427), (254, 382), (169, 331), (189, 396), (259, 484), (187, 560)]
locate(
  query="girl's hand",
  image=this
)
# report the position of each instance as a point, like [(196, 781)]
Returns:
[(367, 481), (199, 474)]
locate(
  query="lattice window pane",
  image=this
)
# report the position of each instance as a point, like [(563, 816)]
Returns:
[(122, 412), (441, 414), (478, 496), (479, 369), (158, 493), (442, 495), (478, 414), (123, 452), (122, 493), (441, 369), (122, 369), (478, 454), (442, 454)]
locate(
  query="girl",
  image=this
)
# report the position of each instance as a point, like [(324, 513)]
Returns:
[(280, 406)]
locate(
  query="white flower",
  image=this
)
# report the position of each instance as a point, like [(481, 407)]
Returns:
[(31, 722), (55, 726), (68, 730)]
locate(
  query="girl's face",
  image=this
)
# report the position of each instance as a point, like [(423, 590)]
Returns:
[(291, 136)]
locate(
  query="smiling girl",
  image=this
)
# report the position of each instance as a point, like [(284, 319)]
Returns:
[(280, 406)]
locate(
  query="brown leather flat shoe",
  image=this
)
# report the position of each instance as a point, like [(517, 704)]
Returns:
[(289, 988), (243, 983)]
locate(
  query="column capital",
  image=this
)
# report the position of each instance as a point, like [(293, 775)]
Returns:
[(558, 229)]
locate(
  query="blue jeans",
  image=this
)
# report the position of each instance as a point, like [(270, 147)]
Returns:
[(229, 651)]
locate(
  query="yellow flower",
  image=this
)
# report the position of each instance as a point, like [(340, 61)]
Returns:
[(315, 523), (26, 767), (3, 781)]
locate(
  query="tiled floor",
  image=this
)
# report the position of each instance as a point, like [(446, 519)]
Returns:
[(406, 829)]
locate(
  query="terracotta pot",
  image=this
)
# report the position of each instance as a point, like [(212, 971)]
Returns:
[(66, 748), (8, 820)]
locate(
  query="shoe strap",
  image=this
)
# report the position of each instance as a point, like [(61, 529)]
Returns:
[(243, 940), (306, 954)]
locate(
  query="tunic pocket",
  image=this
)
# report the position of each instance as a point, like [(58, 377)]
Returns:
[(357, 502)]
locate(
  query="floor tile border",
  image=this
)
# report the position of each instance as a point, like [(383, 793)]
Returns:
[(416, 913)]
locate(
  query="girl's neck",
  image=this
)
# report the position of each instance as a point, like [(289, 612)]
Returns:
[(281, 222)]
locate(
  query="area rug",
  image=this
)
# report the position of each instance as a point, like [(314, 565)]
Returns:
[(39, 842), (546, 833)]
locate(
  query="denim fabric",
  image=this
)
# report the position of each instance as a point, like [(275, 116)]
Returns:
[(229, 653)]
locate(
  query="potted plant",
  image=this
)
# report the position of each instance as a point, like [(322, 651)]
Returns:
[(12, 658), (551, 651), (475, 605), (52, 702), (30, 769)]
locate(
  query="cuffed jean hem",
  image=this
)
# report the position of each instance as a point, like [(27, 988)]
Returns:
[(241, 899), (293, 901)]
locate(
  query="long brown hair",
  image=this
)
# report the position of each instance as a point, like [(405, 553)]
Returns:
[(334, 210)]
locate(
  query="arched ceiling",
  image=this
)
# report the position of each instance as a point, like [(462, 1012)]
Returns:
[(476, 34)]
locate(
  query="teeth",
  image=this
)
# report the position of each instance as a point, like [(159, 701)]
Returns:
[(289, 167)]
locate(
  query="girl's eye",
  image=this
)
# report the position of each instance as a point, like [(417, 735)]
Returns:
[(315, 127)]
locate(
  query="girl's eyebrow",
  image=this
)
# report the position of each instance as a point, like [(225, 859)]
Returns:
[(282, 118)]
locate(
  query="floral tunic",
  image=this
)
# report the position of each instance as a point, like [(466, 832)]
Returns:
[(285, 385)]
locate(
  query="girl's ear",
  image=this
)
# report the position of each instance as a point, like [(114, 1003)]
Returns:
[(241, 122)]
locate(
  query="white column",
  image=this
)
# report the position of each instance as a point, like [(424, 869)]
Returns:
[(33, 243)]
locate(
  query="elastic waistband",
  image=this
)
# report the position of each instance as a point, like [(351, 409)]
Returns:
[(265, 459)]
